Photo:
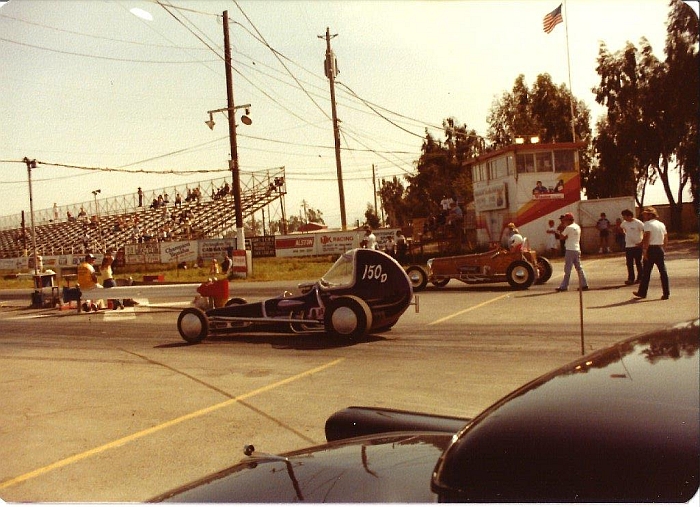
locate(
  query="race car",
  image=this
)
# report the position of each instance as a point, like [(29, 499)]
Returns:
[(365, 291), (520, 269)]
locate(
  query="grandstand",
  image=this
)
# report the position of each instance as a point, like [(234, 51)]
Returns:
[(116, 221)]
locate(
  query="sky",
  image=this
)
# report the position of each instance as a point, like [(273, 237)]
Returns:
[(89, 84)]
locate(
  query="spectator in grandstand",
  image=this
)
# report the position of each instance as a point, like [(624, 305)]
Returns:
[(140, 194), (147, 236), (166, 199), (136, 232), (178, 200), (86, 239), (82, 215), (70, 216), (214, 268)]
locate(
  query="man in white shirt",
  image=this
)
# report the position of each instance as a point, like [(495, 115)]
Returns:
[(370, 240), (653, 244), (634, 232), (572, 256)]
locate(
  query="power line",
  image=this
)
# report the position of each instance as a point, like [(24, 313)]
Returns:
[(100, 57)]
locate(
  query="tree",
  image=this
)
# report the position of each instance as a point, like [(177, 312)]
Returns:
[(440, 170), (652, 106), (543, 110), (393, 195), (683, 83), (371, 217)]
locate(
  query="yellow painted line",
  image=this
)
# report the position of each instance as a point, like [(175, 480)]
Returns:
[(140, 434), (439, 321)]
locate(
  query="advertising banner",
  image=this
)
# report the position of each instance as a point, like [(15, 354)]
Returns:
[(142, 253), (382, 236), (262, 246), (215, 248), (297, 245), (336, 243), (239, 264), (491, 197), (178, 251)]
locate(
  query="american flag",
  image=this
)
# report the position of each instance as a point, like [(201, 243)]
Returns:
[(552, 19)]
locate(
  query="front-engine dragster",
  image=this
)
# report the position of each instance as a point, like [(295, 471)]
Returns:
[(364, 292)]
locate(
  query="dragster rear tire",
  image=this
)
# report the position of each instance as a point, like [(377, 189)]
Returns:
[(193, 325), (544, 270)]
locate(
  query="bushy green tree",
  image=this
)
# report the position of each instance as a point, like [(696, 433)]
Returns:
[(651, 124), (543, 110)]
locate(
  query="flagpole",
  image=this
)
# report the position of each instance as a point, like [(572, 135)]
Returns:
[(568, 65)]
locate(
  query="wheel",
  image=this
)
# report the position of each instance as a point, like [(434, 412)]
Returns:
[(418, 277), (520, 274), (347, 318), (236, 301), (441, 282), (193, 325), (544, 270)]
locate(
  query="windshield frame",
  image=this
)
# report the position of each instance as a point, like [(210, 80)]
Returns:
[(341, 274)]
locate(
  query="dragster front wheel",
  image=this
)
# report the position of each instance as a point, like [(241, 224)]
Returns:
[(193, 325)]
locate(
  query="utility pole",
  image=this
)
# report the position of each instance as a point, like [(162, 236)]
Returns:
[(235, 171), (31, 164), (331, 70), (374, 186)]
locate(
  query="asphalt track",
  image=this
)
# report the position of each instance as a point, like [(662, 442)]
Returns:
[(115, 407)]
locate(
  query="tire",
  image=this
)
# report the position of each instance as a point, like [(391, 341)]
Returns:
[(193, 325), (520, 274), (347, 318), (441, 282), (418, 277), (544, 270), (236, 301)]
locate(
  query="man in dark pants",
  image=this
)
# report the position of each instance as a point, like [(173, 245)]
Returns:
[(653, 244), (634, 234)]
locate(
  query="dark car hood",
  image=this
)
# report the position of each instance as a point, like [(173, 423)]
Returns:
[(620, 425), (391, 468)]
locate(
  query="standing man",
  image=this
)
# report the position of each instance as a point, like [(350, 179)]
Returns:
[(560, 229), (634, 233), (653, 244), (603, 226), (140, 194), (370, 240), (572, 256)]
